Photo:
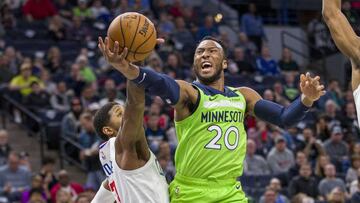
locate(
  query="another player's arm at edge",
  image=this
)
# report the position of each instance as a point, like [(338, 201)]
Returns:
[(344, 36), (103, 194)]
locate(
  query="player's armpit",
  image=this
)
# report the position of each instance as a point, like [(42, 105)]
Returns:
[(188, 94), (341, 31)]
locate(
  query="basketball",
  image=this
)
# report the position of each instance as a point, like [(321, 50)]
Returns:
[(134, 31)]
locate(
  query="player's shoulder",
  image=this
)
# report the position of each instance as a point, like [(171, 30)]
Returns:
[(248, 92), (105, 144)]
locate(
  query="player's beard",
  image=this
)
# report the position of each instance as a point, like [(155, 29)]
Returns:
[(211, 79)]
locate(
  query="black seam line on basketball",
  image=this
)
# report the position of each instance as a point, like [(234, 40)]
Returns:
[(123, 39), (121, 28), (137, 28), (143, 42)]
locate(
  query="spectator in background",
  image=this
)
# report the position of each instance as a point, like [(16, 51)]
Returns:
[(311, 147), (174, 65), (291, 88), (333, 92), (54, 62), (321, 162), (337, 195), (36, 184), (208, 29), (82, 10), (64, 196), (269, 196), (300, 160), (279, 94), (88, 96), (47, 172), (5, 72), (68, 188), (176, 9), (355, 197), (153, 133), (275, 185), (350, 14), (165, 161), (38, 100), (256, 165), (304, 183), (322, 129), (14, 179), (266, 65), (83, 198), (78, 30), (38, 9), (90, 152), (252, 25), (352, 173), (111, 96), (4, 147), (182, 37), (56, 28), (14, 59), (7, 18), (70, 124), (331, 113), (249, 46), (75, 80), (23, 81), (85, 70), (330, 181), (64, 9), (100, 12), (286, 63), (243, 64), (280, 159), (336, 148), (166, 24), (60, 99), (349, 121), (36, 195)]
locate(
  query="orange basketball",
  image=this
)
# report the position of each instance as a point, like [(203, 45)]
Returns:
[(134, 31)]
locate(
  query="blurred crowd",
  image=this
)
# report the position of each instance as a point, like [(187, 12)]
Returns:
[(317, 160)]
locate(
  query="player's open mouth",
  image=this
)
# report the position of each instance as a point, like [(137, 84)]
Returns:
[(206, 65)]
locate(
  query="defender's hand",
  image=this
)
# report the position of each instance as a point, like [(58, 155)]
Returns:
[(311, 89)]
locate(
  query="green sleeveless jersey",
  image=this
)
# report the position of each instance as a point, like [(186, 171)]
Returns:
[(212, 140)]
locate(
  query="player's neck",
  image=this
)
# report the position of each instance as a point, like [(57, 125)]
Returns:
[(218, 85)]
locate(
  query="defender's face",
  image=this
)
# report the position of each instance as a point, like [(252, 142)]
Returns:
[(209, 61), (116, 117)]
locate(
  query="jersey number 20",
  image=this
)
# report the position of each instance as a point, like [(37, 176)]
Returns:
[(213, 144)]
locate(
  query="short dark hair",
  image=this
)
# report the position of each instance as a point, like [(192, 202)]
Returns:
[(215, 40), (35, 190), (102, 118)]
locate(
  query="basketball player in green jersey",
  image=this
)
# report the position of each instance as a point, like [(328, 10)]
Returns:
[(209, 120)]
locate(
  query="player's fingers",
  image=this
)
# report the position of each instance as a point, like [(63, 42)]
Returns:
[(116, 48), (323, 93), (317, 78), (308, 77), (123, 54), (321, 87), (101, 44), (107, 49), (160, 41)]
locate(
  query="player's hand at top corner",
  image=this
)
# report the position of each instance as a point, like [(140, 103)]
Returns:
[(118, 61), (311, 89)]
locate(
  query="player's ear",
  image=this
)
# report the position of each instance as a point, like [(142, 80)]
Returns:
[(224, 64), (107, 131)]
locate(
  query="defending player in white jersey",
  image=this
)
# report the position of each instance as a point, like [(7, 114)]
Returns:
[(347, 41), (133, 173)]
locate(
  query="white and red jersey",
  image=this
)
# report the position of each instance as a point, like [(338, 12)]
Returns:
[(143, 185)]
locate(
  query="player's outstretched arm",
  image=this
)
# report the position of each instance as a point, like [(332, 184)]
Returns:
[(176, 93), (280, 115), (132, 129), (341, 31)]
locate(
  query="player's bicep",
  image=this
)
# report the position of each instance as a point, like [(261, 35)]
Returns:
[(251, 97), (188, 94), (343, 34)]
